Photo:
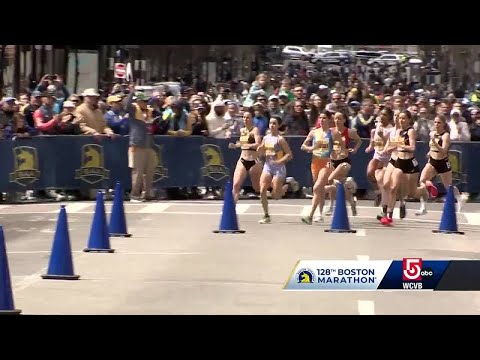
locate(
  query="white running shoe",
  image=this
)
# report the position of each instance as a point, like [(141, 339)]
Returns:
[(265, 220), (351, 185), (461, 200)]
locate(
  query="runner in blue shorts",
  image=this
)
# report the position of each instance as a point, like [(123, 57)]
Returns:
[(277, 153)]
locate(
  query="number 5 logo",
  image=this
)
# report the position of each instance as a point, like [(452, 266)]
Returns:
[(411, 269)]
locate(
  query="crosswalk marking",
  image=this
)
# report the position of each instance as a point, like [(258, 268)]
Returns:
[(73, 208), (361, 232), (472, 218), (242, 208), (186, 208), (306, 210), (154, 209)]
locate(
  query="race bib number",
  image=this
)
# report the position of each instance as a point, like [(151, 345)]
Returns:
[(269, 149)]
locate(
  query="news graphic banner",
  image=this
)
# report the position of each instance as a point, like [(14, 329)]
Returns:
[(372, 275), (75, 162)]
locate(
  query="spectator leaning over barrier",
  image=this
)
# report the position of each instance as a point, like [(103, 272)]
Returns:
[(19, 128), (68, 122), (90, 116), (44, 117), (217, 128), (198, 120), (177, 120), (141, 153), (29, 109), (116, 117)]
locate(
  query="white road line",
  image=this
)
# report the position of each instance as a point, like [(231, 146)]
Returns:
[(366, 307), (4, 207), (36, 252), (306, 210), (242, 208), (363, 257), (158, 253), (73, 208), (47, 231), (116, 252), (217, 213), (472, 218), (154, 209), (29, 280), (361, 232)]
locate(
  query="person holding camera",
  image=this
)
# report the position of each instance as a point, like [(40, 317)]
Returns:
[(54, 85), (141, 153)]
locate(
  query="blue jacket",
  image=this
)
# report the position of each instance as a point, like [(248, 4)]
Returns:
[(118, 122)]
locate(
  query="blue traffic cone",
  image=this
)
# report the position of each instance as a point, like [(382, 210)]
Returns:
[(118, 222), (448, 223), (6, 295), (340, 223), (229, 221), (60, 266), (99, 240)]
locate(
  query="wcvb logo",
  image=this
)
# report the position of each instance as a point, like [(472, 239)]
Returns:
[(412, 269)]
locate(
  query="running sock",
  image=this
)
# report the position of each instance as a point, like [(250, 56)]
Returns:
[(422, 204), (390, 214), (384, 209)]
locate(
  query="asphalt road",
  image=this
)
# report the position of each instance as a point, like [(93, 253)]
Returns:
[(174, 264)]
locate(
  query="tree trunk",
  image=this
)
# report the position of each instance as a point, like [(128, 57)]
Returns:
[(77, 72)]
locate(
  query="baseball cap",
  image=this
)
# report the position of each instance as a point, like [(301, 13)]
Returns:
[(273, 97), (141, 96), (68, 104), (113, 99)]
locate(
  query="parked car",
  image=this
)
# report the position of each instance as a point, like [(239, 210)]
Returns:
[(296, 52), (386, 59), (331, 57), (367, 55)]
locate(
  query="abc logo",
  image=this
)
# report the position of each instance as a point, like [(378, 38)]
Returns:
[(426, 273)]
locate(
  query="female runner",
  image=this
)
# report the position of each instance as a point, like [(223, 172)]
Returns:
[(340, 161), (376, 167), (277, 153), (438, 162), (405, 164), (322, 140), (248, 163), (391, 147)]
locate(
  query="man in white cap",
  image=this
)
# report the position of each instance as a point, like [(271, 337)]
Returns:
[(459, 130), (90, 117), (217, 126)]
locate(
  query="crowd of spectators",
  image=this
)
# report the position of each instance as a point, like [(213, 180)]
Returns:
[(296, 99)]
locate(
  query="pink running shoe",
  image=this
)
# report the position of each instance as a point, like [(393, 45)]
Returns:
[(386, 221)]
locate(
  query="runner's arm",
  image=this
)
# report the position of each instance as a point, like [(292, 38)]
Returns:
[(286, 149)]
